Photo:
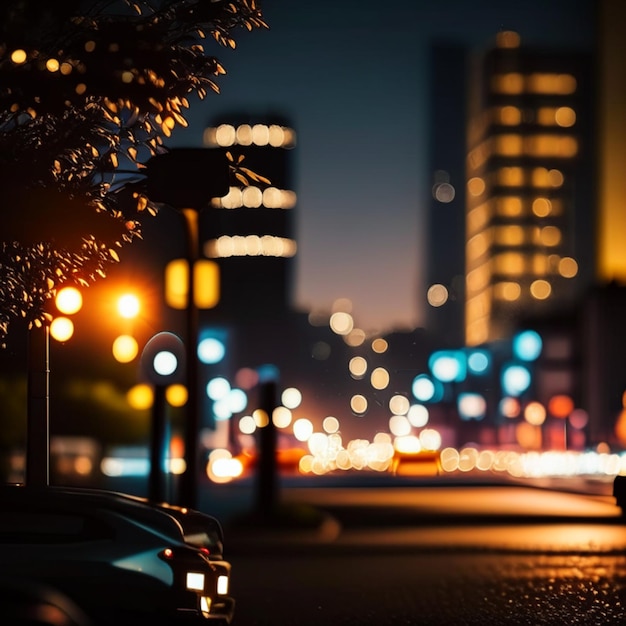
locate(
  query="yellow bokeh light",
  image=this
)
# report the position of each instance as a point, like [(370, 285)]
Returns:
[(61, 329), (476, 186), (380, 378), (535, 413), (379, 346), (125, 348), (437, 295), (140, 397), (176, 395), (68, 300), (568, 267), (52, 65), (540, 289), (18, 56), (357, 367), (358, 404), (128, 306)]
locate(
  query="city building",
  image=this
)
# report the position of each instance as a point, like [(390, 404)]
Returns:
[(530, 185)]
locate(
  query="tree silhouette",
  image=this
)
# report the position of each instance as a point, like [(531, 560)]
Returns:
[(88, 92)]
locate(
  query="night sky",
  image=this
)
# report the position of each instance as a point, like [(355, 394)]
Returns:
[(353, 76)]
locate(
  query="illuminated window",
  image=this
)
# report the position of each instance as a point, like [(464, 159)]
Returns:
[(511, 176), (561, 84), (565, 117), (512, 83), (549, 236), (476, 186), (478, 217), (568, 267), (478, 245), (541, 177), (509, 145), (540, 289), (508, 291), (550, 145), (507, 39), (509, 263), (509, 235), (509, 206), (509, 116), (540, 264), (478, 278), (250, 245), (542, 207)]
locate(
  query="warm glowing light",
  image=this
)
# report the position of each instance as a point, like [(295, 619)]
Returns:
[(330, 424), (568, 267), (399, 425), (476, 186), (560, 406), (540, 289), (341, 323), (176, 395), (302, 429), (357, 367), (399, 405), (52, 65), (281, 417), (61, 328), (418, 415), (261, 418), (379, 346), (535, 413), (358, 404), (247, 425), (379, 378), (68, 300), (128, 306), (18, 56), (430, 439), (437, 295), (125, 348), (291, 397), (140, 397)]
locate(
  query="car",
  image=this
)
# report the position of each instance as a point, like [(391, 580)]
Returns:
[(121, 558)]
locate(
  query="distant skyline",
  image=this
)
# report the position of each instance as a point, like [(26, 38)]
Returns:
[(353, 78)]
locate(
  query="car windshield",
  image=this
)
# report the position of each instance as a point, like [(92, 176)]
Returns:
[(389, 248)]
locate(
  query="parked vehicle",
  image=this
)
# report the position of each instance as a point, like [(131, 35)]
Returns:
[(120, 558)]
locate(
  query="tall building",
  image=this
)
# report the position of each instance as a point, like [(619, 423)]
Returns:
[(445, 293), (250, 233), (530, 185)]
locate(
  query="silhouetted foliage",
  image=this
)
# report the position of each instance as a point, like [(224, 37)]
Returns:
[(88, 91)]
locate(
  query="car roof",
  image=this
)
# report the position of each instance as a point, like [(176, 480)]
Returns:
[(85, 500)]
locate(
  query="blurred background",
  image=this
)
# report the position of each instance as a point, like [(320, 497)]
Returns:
[(433, 277)]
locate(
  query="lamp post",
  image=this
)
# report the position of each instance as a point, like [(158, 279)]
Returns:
[(186, 179)]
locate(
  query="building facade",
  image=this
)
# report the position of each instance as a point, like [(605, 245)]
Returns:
[(530, 189)]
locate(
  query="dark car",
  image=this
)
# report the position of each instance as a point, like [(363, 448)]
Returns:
[(121, 558)]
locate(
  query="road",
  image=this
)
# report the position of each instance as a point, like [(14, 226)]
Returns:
[(435, 555)]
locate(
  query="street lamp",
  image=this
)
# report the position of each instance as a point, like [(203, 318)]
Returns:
[(186, 179)]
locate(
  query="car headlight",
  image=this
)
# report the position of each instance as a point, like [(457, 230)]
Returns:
[(222, 585), (195, 581)]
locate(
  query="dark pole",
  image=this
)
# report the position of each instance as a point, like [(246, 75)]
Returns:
[(158, 447), (189, 479), (267, 489), (38, 407)]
